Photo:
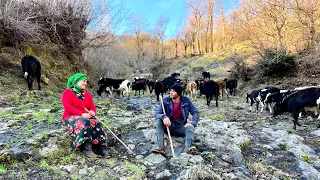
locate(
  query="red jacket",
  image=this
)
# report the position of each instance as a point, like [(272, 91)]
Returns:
[(74, 106)]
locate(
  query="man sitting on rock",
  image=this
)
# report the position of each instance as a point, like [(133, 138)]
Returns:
[(177, 108)]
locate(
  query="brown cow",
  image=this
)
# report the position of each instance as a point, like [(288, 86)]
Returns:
[(222, 87), (191, 90)]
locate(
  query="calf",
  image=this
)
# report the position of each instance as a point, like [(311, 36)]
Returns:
[(231, 85), (222, 87), (210, 89), (158, 89), (32, 69), (106, 83), (205, 75), (191, 90), (296, 102)]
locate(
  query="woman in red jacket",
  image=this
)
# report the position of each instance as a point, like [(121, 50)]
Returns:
[(79, 118)]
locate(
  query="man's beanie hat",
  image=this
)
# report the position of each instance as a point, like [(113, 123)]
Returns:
[(177, 88)]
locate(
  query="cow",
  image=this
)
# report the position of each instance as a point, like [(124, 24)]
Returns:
[(159, 89), (297, 101), (31, 68), (199, 83), (108, 83), (222, 87), (139, 84), (205, 75), (151, 86), (168, 82), (231, 85), (191, 90), (276, 97), (210, 89), (253, 96), (263, 94)]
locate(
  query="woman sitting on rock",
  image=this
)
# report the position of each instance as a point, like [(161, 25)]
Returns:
[(79, 118)]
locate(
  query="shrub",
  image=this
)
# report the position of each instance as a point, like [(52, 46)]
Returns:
[(276, 63)]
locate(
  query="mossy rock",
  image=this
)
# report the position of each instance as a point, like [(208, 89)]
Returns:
[(6, 158)]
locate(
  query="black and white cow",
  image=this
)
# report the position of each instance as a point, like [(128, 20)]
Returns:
[(210, 89), (205, 75), (139, 84), (253, 96), (31, 68), (231, 85), (297, 101), (264, 93), (120, 85), (158, 89), (277, 97)]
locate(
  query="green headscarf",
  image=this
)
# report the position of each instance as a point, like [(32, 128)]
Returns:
[(74, 79)]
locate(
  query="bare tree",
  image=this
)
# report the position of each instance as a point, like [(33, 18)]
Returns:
[(159, 30), (197, 11)]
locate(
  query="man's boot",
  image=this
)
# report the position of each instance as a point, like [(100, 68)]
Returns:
[(103, 152), (88, 150), (161, 148)]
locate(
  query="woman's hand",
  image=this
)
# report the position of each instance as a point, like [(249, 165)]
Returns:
[(92, 113), (86, 115)]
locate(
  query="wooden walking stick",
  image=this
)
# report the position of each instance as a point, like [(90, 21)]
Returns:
[(113, 133), (172, 150)]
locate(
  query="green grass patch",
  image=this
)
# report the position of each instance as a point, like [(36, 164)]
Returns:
[(261, 168), (50, 121), (243, 146), (40, 116), (2, 169), (283, 146), (132, 167), (219, 116), (306, 158)]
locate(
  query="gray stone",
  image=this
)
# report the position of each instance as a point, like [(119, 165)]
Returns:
[(83, 171), (164, 174), (70, 168), (182, 159), (91, 170), (196, 159), (155, 159), (226, 158), (315, 133), (308, 171), (139, 157), (143, 125), (51, 146)]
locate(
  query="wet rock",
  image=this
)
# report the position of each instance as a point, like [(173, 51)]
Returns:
[(315, 133), (139, 157), (83, 171), (200, 172), (143, 125), (181, 160), (164, 174), (226, 158), (22, 154), (51, 146), (154, 159), (70, 168), (196, 159), (308, 171), (5, 127)]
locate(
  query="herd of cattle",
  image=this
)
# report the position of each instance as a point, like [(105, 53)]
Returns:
[(205, 86), (294, 101)]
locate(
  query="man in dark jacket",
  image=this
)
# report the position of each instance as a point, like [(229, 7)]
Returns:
[(177, 109)]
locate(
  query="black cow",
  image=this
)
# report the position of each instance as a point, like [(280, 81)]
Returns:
[(32, 69), (199, 83), (175, 75), (231, 85), (210, 89), (159, 89), (296, 102), (139, 84), (106, 83), (168, 82), (205, 75)]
